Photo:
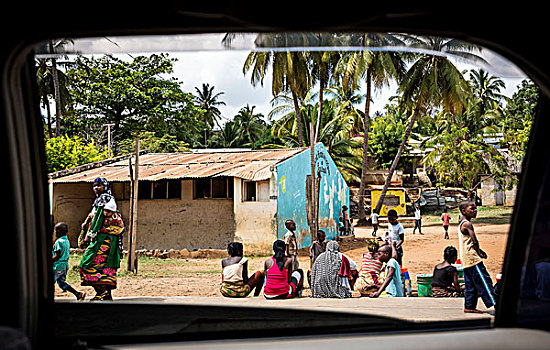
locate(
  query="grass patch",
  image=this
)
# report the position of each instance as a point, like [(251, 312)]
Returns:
[(150, 267), (485, 215)]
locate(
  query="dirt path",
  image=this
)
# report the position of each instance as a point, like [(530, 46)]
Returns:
[(201, 277)]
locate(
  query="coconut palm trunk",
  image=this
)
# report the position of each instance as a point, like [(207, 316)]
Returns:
[(298, 118), (365, 167), (56, 94), (396, 160)]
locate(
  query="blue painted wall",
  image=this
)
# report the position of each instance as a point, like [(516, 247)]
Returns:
[(291, 200)]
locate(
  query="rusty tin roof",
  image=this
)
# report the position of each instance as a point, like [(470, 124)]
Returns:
[(246, 164)]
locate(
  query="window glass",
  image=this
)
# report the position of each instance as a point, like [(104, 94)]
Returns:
[(216, 110)]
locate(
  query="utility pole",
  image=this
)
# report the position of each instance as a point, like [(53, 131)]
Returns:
[(109, 139)]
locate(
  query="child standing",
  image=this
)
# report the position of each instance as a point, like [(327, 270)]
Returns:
[(374, 220), (417, 219), (446, 218), (61, 260), (476, 278), (291, 243), (396, 233)]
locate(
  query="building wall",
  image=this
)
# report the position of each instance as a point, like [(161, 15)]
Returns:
[(162, 223), (255, 221), (71, 203), (489, 197), (291, 192)]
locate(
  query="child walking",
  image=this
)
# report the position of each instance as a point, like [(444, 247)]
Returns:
[(446, 218), (374, 220), (60, 259), (476, 278)]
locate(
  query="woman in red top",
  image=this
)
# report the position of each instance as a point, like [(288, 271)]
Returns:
[(280, 281)]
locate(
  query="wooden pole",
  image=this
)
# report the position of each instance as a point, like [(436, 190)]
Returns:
[(313, 206), (129, 265), (132, 257)]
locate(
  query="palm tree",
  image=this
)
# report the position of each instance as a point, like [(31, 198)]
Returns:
[(228, 136), (431, 81), (487, 89), (209, 102), (376, 68), (250, 125), (337, 132), (56, 84), (323, 65), (52, 46), (289, 71)]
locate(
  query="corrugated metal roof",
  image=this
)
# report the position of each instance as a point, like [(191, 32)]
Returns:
[(249, 165)]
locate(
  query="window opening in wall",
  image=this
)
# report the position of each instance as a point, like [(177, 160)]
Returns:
[(174, 189), (217, 188), (249, 194), (144, 190), (202, 188)]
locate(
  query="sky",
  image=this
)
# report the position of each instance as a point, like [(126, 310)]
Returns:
[(202, 59), (223, 70)]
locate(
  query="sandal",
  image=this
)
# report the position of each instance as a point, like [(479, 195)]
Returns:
[(81, 296), (103, 296), (472, 311)]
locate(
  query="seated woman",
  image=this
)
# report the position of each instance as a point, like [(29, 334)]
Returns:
[(369, 275), (330, 274), (445, 276), (280, 281), (235, 280)]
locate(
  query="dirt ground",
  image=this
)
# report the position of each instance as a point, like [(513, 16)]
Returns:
[(201, 277)]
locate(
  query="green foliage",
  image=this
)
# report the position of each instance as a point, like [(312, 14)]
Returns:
[(385, 139), (522, 105), (68, 152), (457, 162), (134, 96)]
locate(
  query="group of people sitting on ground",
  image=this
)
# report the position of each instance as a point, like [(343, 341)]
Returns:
[(332, 274)]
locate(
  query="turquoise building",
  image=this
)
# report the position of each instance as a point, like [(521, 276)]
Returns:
[(291, 194)]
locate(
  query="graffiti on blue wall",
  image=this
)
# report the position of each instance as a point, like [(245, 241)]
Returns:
[(291, 194)]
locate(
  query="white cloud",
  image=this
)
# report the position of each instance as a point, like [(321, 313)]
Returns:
[(224, 71)]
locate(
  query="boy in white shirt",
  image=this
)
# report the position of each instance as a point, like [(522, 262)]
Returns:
[(374, 221), (396, 233), (417, 219)]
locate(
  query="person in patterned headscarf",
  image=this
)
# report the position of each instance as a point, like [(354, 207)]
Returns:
[(103, 194), (101, 259), (101, 235), (330, 274)]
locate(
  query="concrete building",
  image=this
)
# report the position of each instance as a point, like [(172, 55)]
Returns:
[(204, 200)]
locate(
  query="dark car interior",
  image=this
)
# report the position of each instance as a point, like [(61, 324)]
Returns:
[(31, 319)]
